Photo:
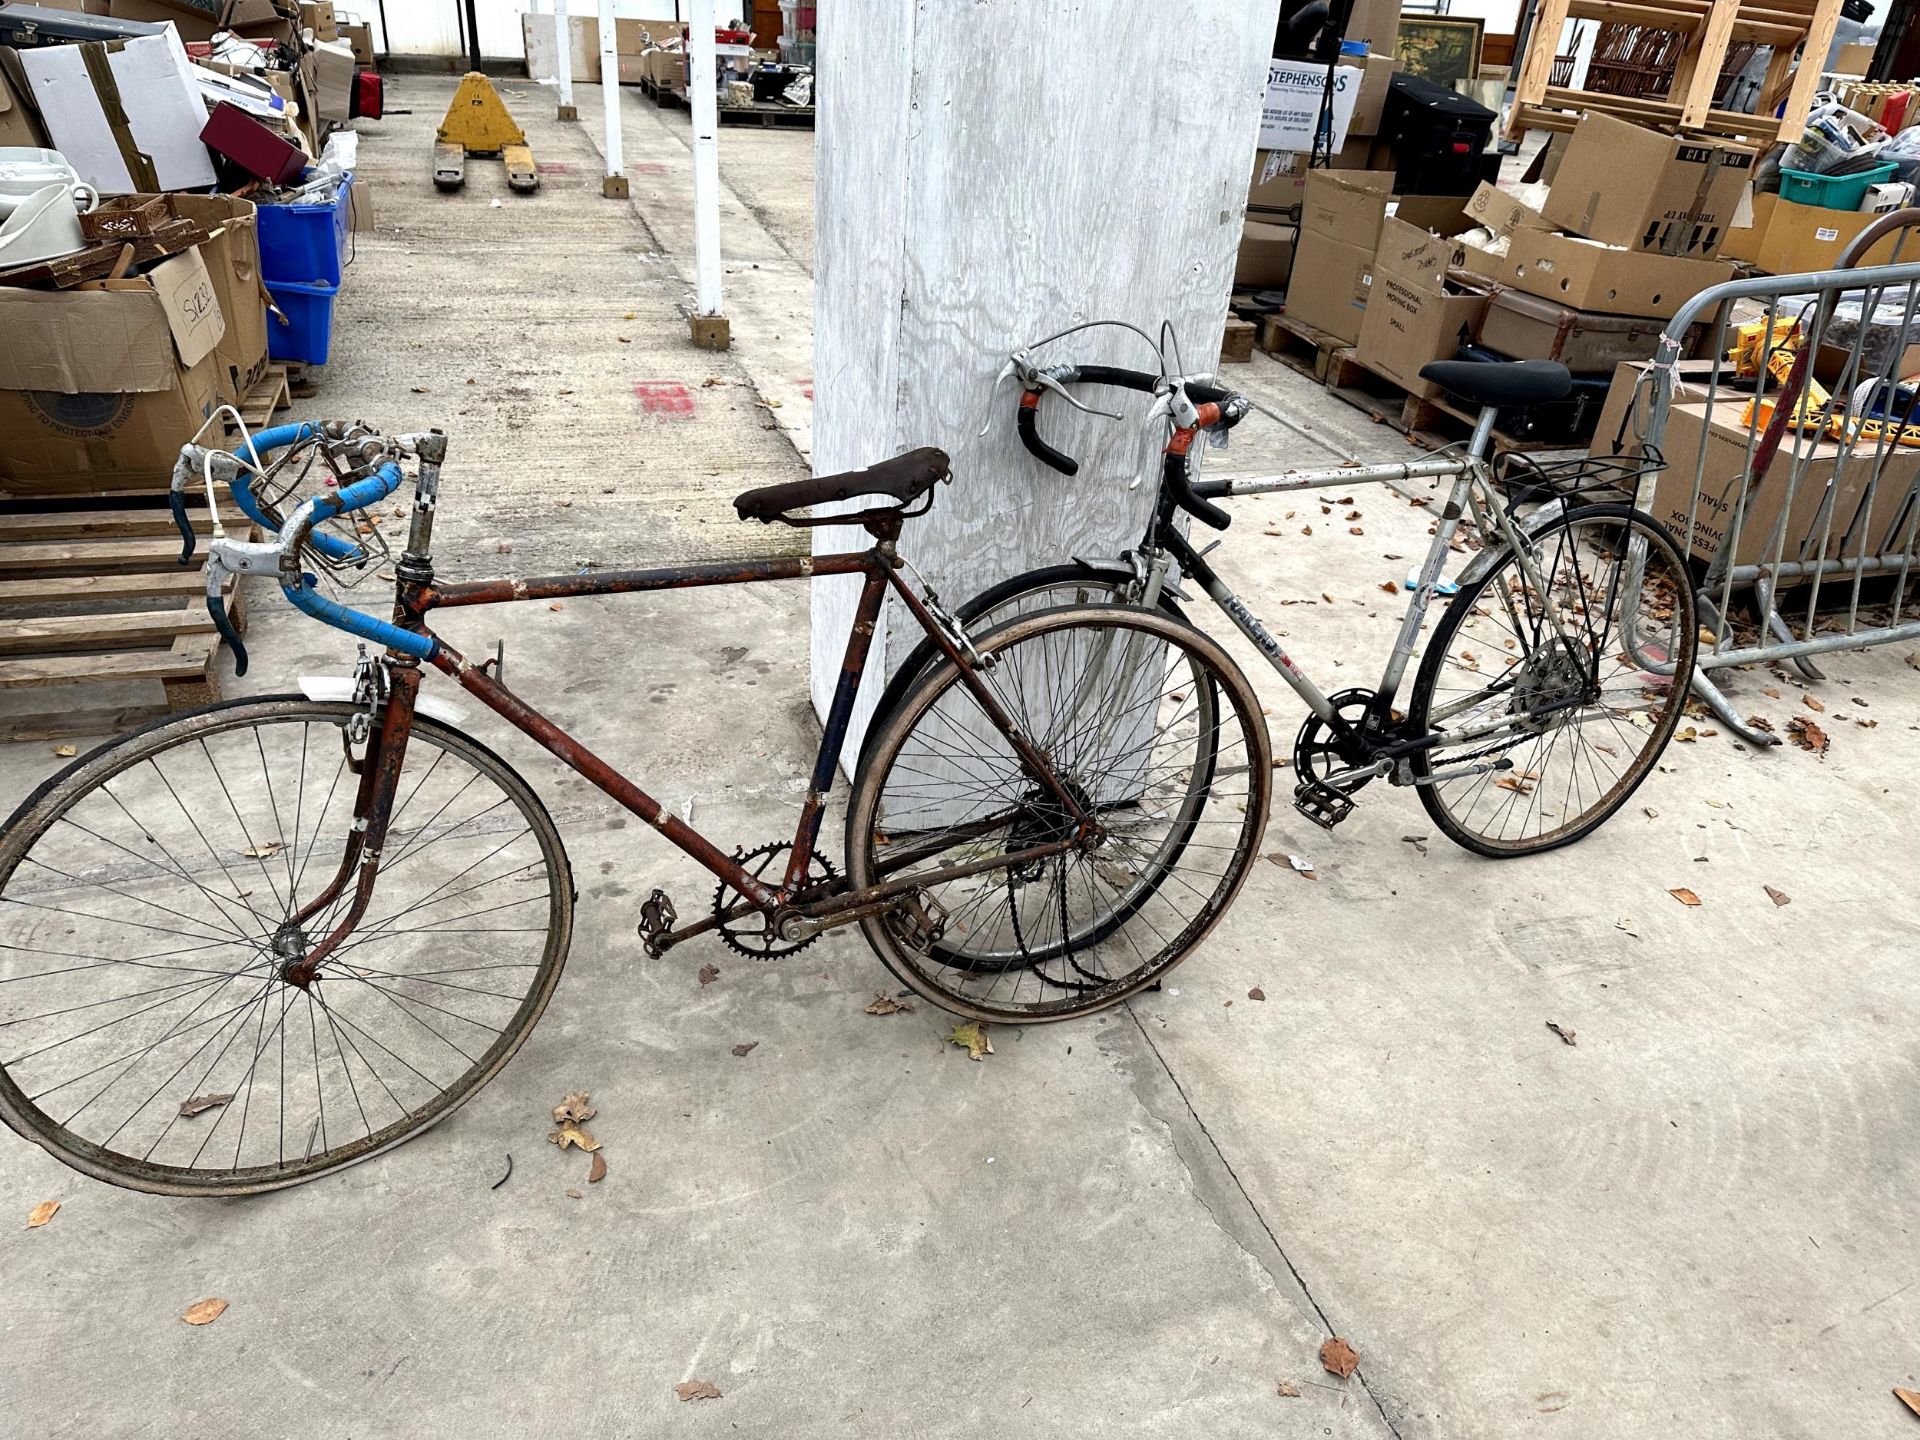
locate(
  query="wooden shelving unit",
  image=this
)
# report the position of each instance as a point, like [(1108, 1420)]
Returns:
[(1707, 29)]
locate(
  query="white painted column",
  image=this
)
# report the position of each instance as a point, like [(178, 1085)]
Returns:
[(563, 63), (990, 172), (614, 187), (703, 79)]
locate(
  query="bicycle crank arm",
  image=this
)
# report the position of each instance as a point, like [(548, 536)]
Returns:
[(1459, 773), (858, 905)]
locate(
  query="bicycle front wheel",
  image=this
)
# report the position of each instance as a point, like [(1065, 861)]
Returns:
[(1158, 739), (1576, 682), (148, 893)]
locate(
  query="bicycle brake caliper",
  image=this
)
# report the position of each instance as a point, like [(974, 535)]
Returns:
[(369, 694)]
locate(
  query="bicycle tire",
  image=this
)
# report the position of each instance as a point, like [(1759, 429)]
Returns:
[(89, 777), (1680, 644), (1088, 577), (941, 975)]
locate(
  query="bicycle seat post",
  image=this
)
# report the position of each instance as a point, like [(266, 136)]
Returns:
[(1482, 433)]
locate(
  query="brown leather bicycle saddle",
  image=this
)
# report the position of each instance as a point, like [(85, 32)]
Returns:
[(904, 478)]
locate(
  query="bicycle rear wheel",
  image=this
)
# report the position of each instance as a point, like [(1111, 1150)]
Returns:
[(148, 1035), (1160, 742), (1579, 688)]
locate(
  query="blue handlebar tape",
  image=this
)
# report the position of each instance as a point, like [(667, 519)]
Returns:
[(357, 622), (262, 444)]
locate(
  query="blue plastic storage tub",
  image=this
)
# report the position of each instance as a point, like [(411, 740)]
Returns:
[(308, 333), (305, 243), (1832, 192)]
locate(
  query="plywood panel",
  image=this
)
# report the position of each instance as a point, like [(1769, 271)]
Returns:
[(991, 171)]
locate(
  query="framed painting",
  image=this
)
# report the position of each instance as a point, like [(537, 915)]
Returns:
[(1440, 48)]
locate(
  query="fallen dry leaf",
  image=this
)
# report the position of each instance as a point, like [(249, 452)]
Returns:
[(199, 1104), (1685, 735), (1685, 896), (42, 1213), (1909, 1398), (570, 1115), (1760, 722), (204, 1312), (574, 1109), (1812, 702), (1337, 1357), (884, 1004), (1287, 1390), (740, 1052), (1256, 993), (697, 1390), (261, 852), (1355, 530), (972, 1037), (708, 974), (1389, 587), (1566, 1035), (65, 752), (1772, 692), (1779, 897), (1808, 736), (575, 1195), (597, 1171), (571, 1134)]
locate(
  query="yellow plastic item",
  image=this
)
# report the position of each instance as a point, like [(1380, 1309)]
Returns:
[(1752, 343), (1874, 432), (478, 123)]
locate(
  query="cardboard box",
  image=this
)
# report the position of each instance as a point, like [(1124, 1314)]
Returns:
[(1413, 314), (1371, 106), (1279, 186), (1295, 92), (1347, 205), (232, 257), (107, 384), (1377, 23), (136, 129), (159, 12), (359, 38), (1266, 255), (329, 69), (1331, 281), (1852, 60), (1625, 185), (1810, 237), (360, 207), (1586, 275), (318, 16), (19, 122), (1828, 468)]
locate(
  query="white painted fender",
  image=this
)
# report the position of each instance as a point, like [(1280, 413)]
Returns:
[(340, 687)]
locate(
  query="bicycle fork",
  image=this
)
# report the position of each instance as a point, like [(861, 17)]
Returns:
[(372, 813)]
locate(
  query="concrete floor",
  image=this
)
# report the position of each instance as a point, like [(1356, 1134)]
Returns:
[(1698, 1221)]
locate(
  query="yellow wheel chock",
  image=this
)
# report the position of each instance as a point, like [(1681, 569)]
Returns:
[(478, 123)]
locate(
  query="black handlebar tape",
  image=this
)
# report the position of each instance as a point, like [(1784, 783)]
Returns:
[(217, 607), (1036, 447), (177, 503), (1204, 511), (1120, 379)]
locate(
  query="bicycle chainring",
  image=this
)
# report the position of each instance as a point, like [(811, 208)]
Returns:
[(1315, 754), (763, 943)]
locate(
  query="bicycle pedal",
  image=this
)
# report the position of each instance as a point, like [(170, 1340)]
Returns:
[(1325, 808), (656, 919)]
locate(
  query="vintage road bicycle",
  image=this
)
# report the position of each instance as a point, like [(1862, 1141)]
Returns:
[(246, 946), (1555, 676)]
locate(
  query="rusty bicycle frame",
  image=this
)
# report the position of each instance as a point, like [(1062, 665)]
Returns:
[(793, 907)]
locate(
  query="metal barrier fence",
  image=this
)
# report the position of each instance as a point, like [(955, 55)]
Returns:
[(1792, 459)]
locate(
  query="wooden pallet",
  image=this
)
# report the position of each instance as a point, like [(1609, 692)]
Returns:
[(94, 600), (1300, 346), (795, 117), (270, 394)]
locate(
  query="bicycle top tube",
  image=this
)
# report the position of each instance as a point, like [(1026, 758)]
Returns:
[(1330, 476)]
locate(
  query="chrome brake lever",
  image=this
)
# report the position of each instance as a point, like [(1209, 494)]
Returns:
[(1046, 381)]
